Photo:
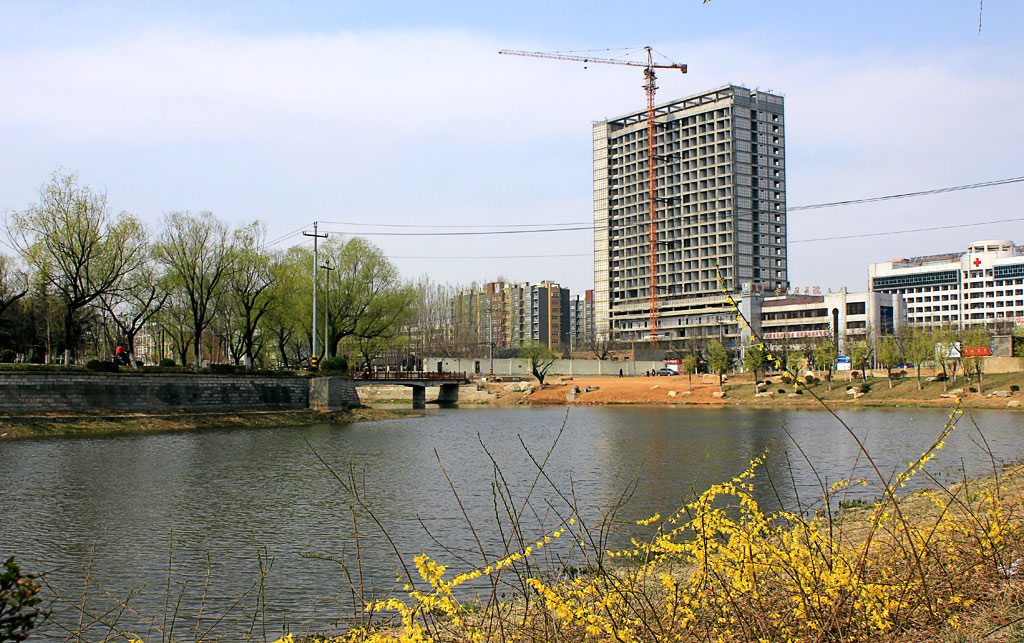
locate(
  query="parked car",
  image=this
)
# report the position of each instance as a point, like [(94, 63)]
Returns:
[(667, 371)]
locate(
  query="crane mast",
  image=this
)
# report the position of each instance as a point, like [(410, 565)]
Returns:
[(650, 87)]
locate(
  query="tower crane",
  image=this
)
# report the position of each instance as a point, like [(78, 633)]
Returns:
[(649, 87)]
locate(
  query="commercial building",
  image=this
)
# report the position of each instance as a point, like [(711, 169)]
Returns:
[(841, 317), (984, 285), (720, 175)]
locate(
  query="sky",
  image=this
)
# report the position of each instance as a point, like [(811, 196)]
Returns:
[(364, 115)]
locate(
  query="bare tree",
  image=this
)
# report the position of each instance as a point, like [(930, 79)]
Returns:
[(13, 283), (73, 241), (197, 252), (132, 307)]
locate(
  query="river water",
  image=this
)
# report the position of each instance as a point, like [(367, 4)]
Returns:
[(187, 519)]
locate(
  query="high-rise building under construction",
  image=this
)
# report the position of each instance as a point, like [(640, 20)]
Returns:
[(720, 176)]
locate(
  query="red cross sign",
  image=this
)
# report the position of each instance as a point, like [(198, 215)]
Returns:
[(977, 262)]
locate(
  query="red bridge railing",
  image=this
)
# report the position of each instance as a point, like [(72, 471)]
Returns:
[(416, 376)]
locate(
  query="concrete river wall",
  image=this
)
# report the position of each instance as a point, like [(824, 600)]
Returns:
[(40, 392)]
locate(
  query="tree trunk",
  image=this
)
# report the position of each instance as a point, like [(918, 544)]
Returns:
[(130, 340), (919, 376), (720, 378), (69, 320), (197, 347), (888, 375)]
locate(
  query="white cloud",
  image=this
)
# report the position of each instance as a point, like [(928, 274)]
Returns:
[(433, 125)]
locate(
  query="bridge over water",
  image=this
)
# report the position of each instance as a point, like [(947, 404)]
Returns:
[(447, 383)]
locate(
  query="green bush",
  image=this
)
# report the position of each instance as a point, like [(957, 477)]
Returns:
[(223, 369), (865, 388), (1014, 388), (101, 366), (334, 364), (940, 377), (810, 379), (973, 389), (782, 391), (167, 361), (799, 391), (19, 601)]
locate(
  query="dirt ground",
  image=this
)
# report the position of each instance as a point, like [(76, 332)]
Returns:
[(678, 390), (630, 390)]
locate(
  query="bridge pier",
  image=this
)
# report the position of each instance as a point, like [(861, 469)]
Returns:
[(419, 396), (448, 395)]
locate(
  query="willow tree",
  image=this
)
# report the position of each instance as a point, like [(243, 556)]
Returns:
[(197, 253), (364, 295), (82, 250), (141, 297), (249, 287)]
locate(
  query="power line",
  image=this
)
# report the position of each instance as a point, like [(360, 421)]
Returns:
[(892, 232), (463, 234), (907, 195), (580, 254), (419, 225)]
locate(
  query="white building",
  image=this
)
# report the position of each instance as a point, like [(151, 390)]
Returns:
[(984, 285)]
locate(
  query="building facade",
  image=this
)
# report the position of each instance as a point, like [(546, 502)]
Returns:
[(720, 210), (984, 285)]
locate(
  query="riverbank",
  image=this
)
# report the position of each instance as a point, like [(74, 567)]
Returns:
[(703, 390), (106, 423)]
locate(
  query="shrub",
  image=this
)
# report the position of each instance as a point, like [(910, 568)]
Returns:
[(223, 369), (19, 600), (799, 391), (810, 379), (940, 377), (101, 367), (167, 361), (334, 364), (7, 356), (1014, 388), (973, 389), (865, 388), (782, 391), (786, 379)]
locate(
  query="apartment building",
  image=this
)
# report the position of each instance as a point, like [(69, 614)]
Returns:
[(721, 209), (984, 285), (581, 320), (508, 315)]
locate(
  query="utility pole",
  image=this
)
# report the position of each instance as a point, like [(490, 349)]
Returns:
[(327, 307), (316, 259), (490, 334)]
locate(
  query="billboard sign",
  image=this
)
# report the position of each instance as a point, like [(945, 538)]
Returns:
[(977, 351)]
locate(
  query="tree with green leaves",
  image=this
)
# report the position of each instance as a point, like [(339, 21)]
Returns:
[(689, 366), (919, 346), (945, 338), (719, 360), (860, 356), (539, 357), (365, 296), (197, 253), (794, 360), (975, 337), (825, 354), (889, 355), (77, 245), (755, 360)]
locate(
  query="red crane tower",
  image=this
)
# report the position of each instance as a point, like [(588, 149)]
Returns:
[(652, 197)]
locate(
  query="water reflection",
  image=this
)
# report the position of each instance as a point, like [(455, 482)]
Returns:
[(113, 503)]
